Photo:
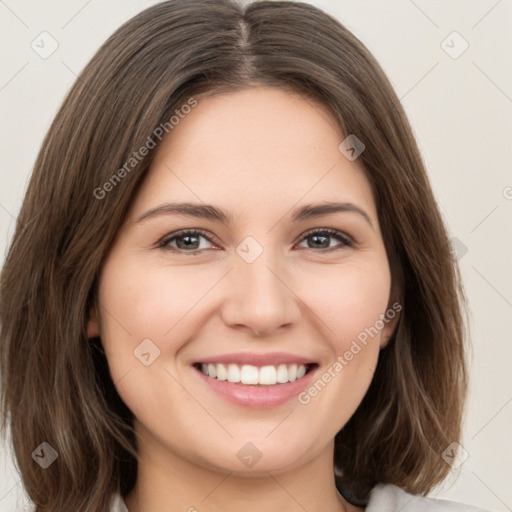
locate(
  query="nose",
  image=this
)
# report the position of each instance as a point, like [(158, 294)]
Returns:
[(260, 297)]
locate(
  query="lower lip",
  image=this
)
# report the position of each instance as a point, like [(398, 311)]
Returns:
[(257, 396)]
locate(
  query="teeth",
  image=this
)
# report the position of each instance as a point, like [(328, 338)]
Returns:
[(282, 373), (233, 373), (222, 373), (248, 374), (292, 372), (268, 375)]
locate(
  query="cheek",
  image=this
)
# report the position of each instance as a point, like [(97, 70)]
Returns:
[(141, 302), (138, 304), (350, 303), (349, 300)]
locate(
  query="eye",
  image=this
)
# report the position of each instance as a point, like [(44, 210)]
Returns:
[(189, 241), (186, 241), (320, 238)]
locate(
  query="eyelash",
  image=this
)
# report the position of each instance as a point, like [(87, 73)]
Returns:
[(333, 233)]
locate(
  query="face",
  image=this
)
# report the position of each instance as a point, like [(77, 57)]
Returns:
[(259, 290)]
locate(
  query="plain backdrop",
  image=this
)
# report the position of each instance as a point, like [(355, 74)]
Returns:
[(459, 102)]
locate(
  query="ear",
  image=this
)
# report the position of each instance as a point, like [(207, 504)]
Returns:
[(93, 327), (390, 320)]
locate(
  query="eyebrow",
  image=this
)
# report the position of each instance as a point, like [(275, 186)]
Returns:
[(210, 212)]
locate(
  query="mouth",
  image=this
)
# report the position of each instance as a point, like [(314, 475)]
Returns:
[(256, 380), (252, 375)]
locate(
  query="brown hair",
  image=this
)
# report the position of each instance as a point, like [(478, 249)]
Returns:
[(56, 386)]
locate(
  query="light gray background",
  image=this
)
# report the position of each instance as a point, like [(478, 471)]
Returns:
[(460, 109)]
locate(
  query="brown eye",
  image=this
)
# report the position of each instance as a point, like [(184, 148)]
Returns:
[(187, 241), (320, 239)]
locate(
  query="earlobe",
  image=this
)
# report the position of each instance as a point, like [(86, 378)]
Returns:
[(390, 321), (384, 340), (93, 328)]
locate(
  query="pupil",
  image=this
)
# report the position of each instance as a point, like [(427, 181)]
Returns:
[(187, 243), (316, 237)]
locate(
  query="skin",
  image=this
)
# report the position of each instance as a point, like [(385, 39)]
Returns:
[(258, 154)]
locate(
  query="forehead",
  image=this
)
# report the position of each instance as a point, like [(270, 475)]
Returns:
[(256, 149)]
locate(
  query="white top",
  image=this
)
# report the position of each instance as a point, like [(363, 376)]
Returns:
[(383, 498)]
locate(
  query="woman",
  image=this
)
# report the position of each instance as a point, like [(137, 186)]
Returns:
[(230, 286)]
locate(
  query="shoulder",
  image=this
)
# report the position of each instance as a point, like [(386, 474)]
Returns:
[(383, 498), (390, 498), (117, 504)]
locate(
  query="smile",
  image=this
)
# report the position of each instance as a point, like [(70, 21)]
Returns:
[(247, 374)]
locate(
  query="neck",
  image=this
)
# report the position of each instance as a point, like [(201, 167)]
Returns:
[(166, 481)]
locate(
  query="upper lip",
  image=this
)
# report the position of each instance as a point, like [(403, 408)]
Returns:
[(254, 359)]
